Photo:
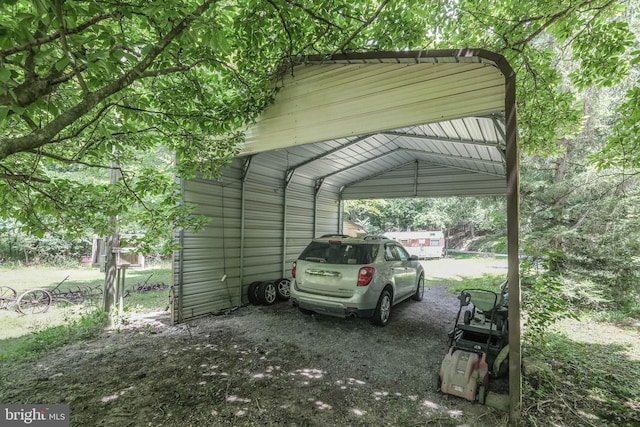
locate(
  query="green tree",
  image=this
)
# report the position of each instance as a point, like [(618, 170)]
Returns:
[(586, 218), (84, 84), (579, 201), (484, 216)]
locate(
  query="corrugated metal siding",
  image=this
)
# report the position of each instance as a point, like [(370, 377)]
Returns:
[(299, 220), (308, 216), (208, 256), (328, 210), (264, 210), (423, 179), (354, 159), (263, 232), (245, 238)]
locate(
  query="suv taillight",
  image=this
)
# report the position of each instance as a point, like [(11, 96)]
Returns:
[(365, 275), (293, 269)]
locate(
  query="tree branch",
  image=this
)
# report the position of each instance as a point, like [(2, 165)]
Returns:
[(185, 68), (364, 25), (78, 131), (22, 178), (65, 45), (311, 13), (170, 70), (163, 113), (27, 202), (554, 18), (45, 134), (47, 39), (587, 25), (126, 184), (35, 87), (284, 25), (67, 161)]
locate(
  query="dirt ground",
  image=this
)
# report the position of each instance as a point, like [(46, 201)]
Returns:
[(258, 366)]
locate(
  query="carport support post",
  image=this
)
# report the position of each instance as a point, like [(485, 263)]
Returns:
[(513, 226)]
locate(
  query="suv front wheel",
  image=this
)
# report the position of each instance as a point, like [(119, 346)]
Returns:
[(419, 290), (383, 310)]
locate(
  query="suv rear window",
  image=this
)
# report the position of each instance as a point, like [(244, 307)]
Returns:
[(340, 253)]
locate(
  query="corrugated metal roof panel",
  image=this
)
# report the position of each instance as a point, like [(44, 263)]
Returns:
[(329, 101)]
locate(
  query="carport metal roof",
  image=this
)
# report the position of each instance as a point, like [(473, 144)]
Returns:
[(396, 124), (404, 124)]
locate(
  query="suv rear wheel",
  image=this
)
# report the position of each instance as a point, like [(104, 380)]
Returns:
[(382, 312)]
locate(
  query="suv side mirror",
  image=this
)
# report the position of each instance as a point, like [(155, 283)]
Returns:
[(414, 258)]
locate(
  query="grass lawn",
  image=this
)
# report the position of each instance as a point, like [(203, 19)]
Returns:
[(584, 370), (23, 279), (460, 272), (15, 324)]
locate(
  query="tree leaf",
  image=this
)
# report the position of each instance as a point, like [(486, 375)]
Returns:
[(5, 74), (62, 63)]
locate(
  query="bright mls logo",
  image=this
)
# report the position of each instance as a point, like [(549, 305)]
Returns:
[(34, 415)]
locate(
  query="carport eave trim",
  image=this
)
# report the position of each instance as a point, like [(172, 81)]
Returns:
[(417, 56)]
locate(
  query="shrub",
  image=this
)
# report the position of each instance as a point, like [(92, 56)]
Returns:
[(543, 299)]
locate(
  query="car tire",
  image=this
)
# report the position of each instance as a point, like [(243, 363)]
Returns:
[(382, 313), (419, 294), (267, 293), (252, 293), (282, 289)]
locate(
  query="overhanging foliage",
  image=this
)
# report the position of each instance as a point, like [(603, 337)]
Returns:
[(84, 85)]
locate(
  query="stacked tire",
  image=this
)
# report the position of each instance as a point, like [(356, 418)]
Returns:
[(268, 292)]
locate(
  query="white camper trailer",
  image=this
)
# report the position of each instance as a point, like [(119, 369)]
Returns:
[(424, 244)]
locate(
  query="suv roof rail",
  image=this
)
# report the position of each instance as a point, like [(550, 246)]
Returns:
[(375, 237), (333, 235)]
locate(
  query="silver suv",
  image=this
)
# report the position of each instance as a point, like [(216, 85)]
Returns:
[(342, 276)]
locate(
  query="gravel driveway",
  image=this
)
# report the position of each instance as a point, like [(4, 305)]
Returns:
[(257, 366)]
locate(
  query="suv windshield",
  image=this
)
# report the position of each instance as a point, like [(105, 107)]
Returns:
[(340, 253)]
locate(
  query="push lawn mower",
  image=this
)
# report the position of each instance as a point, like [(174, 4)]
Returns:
[(478, 346)]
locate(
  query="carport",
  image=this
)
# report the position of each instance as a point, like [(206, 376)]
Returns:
[(359, 126)]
